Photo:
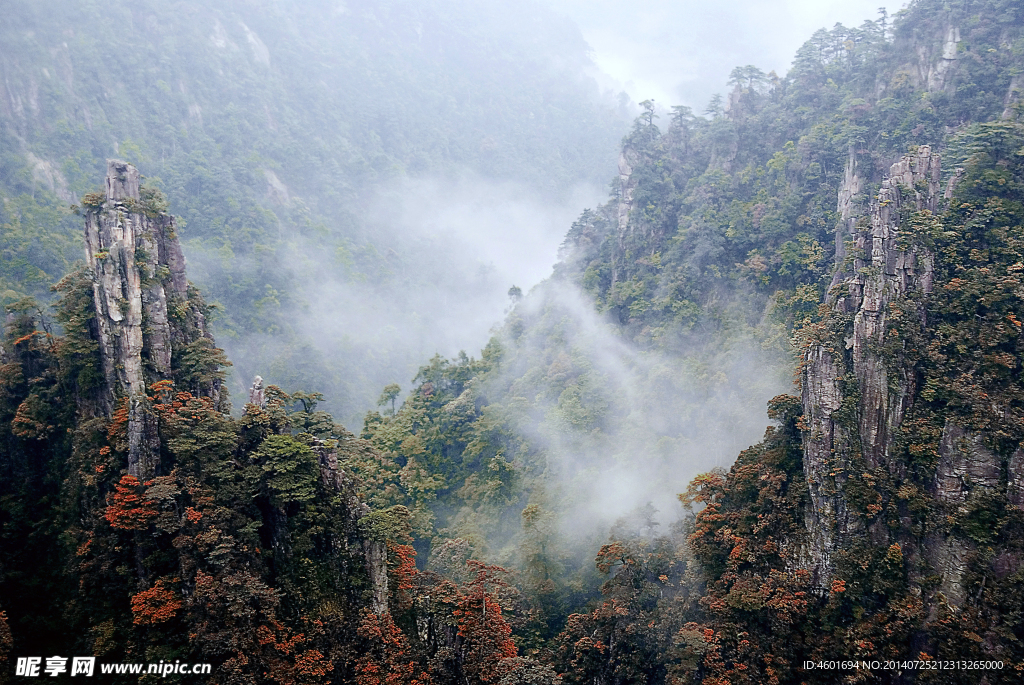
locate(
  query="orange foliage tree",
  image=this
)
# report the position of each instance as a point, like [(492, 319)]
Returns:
[(158, 604), (128, 508), (387, 659), (6, 641), (487, 637)]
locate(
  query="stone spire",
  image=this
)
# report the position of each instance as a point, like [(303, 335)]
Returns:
[(256, 394), (137, 267), (881, 273)]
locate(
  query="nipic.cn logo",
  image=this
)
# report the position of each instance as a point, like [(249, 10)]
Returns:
[(53, 666)]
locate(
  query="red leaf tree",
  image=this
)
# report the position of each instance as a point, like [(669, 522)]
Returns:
[(487, 637), (128, 508)]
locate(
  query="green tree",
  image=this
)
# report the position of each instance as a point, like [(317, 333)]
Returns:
[(390, 394)]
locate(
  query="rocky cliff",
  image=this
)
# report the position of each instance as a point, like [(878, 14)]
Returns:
[(144, 310), (151, 327), (860, 384), (335, 479), (874, 392)]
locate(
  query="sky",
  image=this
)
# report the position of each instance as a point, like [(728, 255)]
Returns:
[(680, 52)]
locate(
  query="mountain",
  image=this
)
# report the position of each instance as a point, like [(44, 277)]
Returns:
[(856, 225), (157, 528), (277, 132), (860, 214)]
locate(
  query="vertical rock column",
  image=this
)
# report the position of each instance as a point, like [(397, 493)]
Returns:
[(882, 274), (849, 191), (375, 552), (890, 274), (132, 254), (628, 158)]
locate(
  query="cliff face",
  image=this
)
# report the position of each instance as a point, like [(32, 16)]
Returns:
[(859, 385), (148, 323), (138, 273), (856, 377), (859, 382), (208, 536)]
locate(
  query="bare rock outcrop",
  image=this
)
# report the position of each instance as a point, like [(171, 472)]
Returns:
[(1015, 480), (1013, 95), (257, 396), (850, 191), (936, 71), (858, 387), (888, 274), (826, 455), (627, 184), (375, 552), (138, 273), (965, 467), (878, 395)]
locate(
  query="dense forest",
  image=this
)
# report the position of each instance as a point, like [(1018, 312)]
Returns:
[(272, 128), (577, 504)]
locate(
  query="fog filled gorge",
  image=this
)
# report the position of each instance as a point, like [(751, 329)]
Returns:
[(282, 136), (443, 254), (621, 428), (470, 342)]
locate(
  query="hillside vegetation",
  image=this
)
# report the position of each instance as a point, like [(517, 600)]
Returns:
[(568, 506), (270, 128)]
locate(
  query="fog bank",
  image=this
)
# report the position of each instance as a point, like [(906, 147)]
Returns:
[(680, 52), (430, 275)]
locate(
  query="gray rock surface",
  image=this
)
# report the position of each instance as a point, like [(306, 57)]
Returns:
[(936, 72), (256, 393), (858, 391), (375, 552), (1013, 94), (1015, 479), (137, 267), (966, 466), (882, 273), (138, 275)]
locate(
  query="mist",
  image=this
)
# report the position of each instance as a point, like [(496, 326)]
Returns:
[(433, 277), (616, 427), (681, 52), (553, 303), (428, 257), (427, 268)]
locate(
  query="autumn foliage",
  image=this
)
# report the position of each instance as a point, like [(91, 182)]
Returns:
[(6, 640), (158, 604), (487, 637), (387, 657), (128, 508), (404, 572), (285, 658), (468, 638)]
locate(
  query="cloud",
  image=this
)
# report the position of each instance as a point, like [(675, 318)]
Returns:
[(680, 52), (429, 275), (616, 426)]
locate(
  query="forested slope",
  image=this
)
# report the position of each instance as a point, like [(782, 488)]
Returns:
[(269, 127), (856, 224), (834, 214), (140, 522)]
